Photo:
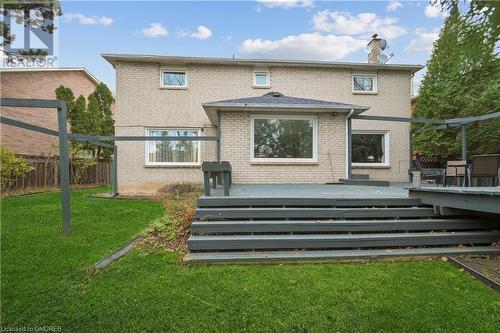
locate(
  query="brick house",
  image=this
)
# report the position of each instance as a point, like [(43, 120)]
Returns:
[(281, 121), (38, 83)]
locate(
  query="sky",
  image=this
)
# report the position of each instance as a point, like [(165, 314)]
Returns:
[(286, 29)]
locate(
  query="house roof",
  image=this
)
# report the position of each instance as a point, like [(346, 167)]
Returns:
[(277, 102), (56, 69), (177, 60)]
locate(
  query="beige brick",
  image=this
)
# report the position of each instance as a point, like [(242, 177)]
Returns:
[(141, 103)]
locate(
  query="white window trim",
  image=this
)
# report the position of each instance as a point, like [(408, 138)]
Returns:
[(257, 160), (375, 83), (386, 162), (267, 85), (173, 70), (146, 148)]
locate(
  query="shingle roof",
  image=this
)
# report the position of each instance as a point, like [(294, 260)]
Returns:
[(276, 99)]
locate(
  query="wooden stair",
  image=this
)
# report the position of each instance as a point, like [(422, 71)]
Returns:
[(238, 229)]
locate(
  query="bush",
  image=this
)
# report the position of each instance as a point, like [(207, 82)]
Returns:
[(11, 166)]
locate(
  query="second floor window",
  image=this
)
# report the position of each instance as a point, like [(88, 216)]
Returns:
[(174, 79), (363, 83), (261, 79)]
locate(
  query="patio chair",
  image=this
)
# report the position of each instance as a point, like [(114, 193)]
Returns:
[(429, 175), (485, 167), (455, 170)]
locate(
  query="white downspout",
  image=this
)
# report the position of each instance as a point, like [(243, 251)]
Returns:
[(347, 143)]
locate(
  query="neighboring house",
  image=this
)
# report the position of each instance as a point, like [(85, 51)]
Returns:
[(39, 83), (281, 121)]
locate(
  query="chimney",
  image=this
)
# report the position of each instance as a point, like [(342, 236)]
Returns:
[(375, 50)]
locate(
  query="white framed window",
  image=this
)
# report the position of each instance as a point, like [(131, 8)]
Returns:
[(284, 139), (370, 148), (180, 152), (261, 79), (364, 83), (173, 78)]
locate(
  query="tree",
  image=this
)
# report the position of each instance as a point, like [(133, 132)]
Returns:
[(92, 117), (462, 80)]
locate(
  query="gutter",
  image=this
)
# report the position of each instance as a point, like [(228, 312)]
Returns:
[(348, 146)]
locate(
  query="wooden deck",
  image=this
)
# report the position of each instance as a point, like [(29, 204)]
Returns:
[(261, 223), (478, 199)]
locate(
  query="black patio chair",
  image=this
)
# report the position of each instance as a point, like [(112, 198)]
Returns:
[(485, 167), (429, 175)]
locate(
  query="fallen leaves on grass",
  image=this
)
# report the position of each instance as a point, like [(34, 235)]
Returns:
[(170, 232)]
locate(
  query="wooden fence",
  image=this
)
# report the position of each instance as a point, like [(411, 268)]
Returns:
[(45, 173)]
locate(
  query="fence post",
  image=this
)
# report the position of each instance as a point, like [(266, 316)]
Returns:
[(64, 161)]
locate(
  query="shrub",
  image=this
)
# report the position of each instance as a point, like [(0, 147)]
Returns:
[(11, 166)]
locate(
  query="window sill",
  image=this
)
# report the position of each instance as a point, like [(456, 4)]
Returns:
[(173, 88), (365, 93), (260, 87), (284, 163), (371, 166), (172, 166)]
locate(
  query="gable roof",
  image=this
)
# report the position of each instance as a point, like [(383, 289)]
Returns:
[(275, 101), (56, 69), (178, 60)]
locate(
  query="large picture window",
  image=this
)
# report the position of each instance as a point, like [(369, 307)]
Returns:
[(284, 138), (370, 148), (172, 152)]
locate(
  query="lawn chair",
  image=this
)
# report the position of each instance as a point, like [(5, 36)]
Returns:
[(429, 175), (485, 167), (455, 170)]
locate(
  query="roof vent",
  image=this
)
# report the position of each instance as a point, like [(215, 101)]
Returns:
[(273, 94)]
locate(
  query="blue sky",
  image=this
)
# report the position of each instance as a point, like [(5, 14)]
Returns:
[(293, 29)]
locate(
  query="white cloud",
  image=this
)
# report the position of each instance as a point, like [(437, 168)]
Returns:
[(202, 33), (364, 24), (286, 3), (423, 41), (314, 46), (434, 10), (155, 30), (393, 6), (88, 20)]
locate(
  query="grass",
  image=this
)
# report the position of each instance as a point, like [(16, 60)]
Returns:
[(46, 280)]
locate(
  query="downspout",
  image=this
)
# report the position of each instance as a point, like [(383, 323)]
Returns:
[(348, 144)]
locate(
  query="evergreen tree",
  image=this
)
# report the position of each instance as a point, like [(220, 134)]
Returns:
[(462, 80)]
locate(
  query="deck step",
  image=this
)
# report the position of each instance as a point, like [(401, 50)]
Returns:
[(320, 213), (235, 227), (336, 255), (332, 241), (221, 202)]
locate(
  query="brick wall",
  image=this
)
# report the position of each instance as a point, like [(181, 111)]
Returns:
[(37, 85), (142, 104)]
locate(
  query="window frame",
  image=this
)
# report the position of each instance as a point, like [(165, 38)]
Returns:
[(254, 81), (173, 70), (146, 148), (386, 147), (262, 160), (375, 83)]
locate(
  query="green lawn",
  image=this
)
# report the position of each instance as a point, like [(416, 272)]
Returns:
[(46, 280)]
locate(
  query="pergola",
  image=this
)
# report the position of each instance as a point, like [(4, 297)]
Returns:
[(64, 137)]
